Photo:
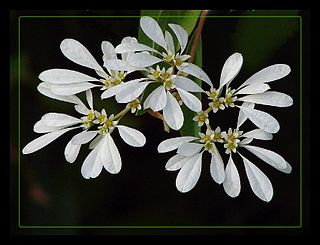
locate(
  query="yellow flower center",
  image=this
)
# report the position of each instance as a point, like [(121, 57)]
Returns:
[(87, 124), (213, 95), (90, 116), (229, 101), (202, 118), (169, 58), (168, 84), (165, 76), (101, 117), (134, 104), (206, 138), (208, 146), (156, 74), (216, 103), (179, 62), (106, 83), (231, 146), (231, 137), (217, 136), (121, 75), (109, 123)]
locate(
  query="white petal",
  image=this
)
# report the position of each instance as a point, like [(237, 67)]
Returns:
[(116, 89), (173, 143), (92, 165), (71, 152), (131, 136), (43, 141), (186, 84), (197, 72), (83, 138), (217, 167), (261, 119), (231, 183), (172, 113), (111, 159), (189, 174), (246, 141), (118, 65), (242, 117), (189, 149), (64, 76), (269, 74), (258, 134), (89, 98), (71, 89), (191, 101), (59, 119), (270, 157), (181, 34), (130, 93), (82, 109), (156, 100), (40, 127), (259, 182), (271, 98), (231, 68), (108, 51), (77, 53), (176, 162), (152, 29), (142, 60), (169, 41), (95, 141), (254, 89), (128, 40), (133, 47), (44, 88)]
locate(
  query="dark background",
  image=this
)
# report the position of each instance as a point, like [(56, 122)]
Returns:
[(53, 192)]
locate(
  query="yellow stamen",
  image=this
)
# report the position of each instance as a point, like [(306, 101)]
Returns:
[(179, 62), (90, 116)]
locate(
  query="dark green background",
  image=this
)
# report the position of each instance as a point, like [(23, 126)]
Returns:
[(53, 192)]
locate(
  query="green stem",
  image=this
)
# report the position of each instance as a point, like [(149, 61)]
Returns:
[(208, 110), (198, 35), (121, 114)]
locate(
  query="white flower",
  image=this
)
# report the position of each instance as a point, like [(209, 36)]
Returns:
[(217, 104), (100, 117), (56, 124), (256, 89), (165, 40), (68, 82), (105, 153), (259, 182), (162, 97), (189, 159), (134, 105), (201, 118)]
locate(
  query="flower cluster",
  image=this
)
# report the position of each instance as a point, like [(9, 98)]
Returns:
[(173, 82), (254, 90)]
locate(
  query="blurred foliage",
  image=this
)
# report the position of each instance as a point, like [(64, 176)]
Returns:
[(258, 40)]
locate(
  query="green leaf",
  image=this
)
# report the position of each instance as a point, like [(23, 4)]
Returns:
[(259, 38)]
